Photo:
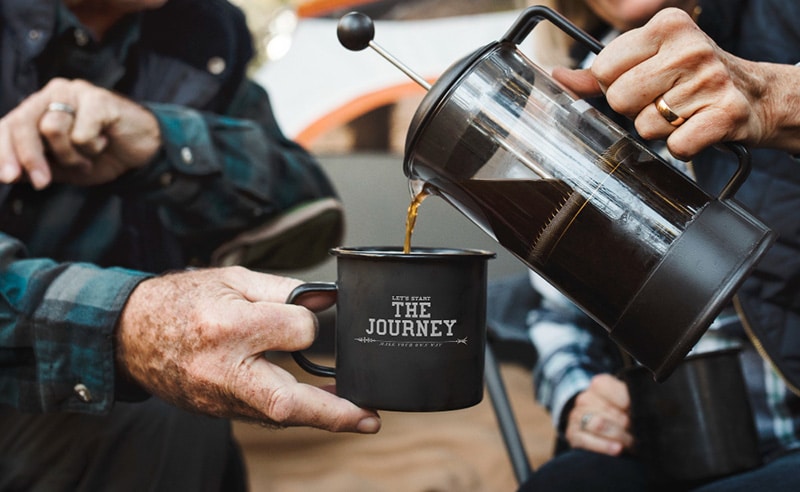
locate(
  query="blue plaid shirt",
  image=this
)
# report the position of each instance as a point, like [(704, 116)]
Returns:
[(572, 349), (70, 256), (56, 330)]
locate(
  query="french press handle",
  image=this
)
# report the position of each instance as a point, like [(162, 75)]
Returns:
[(531, 17)]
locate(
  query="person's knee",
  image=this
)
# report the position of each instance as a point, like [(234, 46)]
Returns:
[(579, 470)]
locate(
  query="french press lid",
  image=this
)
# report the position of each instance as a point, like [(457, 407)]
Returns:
[(441, 91)]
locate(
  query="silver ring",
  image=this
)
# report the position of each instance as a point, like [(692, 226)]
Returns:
[(61, 107), (667, 112), (585, 420)]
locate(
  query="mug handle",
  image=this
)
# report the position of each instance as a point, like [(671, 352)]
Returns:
[(531, 17), (302, 361)]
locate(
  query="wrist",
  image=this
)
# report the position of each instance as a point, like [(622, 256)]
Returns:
[(780, 115), (563, 418), (141, 134), (130, 340)]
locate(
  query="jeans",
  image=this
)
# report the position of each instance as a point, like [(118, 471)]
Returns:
[(145, 446), (578, 470)]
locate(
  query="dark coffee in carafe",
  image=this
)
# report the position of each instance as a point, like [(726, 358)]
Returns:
[(570, 240)]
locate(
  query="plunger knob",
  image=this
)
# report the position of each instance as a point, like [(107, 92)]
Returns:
[(355, 31)]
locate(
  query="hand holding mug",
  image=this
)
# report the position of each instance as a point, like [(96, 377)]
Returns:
[(600, 420), (196, 339)]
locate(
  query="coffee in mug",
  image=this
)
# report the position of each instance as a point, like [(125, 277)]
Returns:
[(410, 327)]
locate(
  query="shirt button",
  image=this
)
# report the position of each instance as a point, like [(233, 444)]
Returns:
[(186, 155), (34, 35), (83, 393), (216, 65), (165, 179), (81, 38)]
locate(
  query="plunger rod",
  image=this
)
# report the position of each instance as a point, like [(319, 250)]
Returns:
[(356, 31), (397, 63)]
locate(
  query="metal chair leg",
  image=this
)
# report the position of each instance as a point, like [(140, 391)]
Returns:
[(505, 418)]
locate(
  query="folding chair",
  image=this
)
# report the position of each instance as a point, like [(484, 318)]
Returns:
[(505, 418), (509, 301)]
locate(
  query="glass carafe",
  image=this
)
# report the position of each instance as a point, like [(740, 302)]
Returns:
[(632, 241)]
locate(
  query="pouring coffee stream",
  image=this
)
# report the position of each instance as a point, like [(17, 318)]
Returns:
[(356, 32), (634, 243)]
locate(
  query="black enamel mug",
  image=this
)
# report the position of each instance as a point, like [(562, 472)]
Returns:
[(698, 425), (410, 327)]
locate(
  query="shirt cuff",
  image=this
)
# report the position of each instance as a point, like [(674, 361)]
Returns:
[(573, 382), (75, 335), (186, 151)]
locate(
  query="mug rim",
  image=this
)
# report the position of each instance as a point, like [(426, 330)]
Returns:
[(416, 252), (689, 359)]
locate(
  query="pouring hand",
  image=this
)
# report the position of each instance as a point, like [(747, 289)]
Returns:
[(197, 340), (599, 420), (75, 132), (721, 97)]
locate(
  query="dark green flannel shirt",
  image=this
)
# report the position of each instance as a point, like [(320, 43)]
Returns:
[(56, 330), (70, 256)]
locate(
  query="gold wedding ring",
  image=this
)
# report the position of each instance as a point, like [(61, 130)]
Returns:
[(667, 112), (61, 108)]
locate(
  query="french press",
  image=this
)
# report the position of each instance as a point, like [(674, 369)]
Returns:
[(629, 239)]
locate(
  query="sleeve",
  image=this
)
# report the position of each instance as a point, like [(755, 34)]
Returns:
[(571, 350), (57, 325), (220, 177)]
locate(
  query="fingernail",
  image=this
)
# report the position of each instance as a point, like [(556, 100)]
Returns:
[(369, 425), (39, 178), (7, 173), (614, 448)]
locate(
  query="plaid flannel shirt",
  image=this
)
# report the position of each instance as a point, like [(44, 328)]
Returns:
[(56, 331), (224, 169)]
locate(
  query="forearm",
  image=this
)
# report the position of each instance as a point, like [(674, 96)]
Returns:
[(559, 373)]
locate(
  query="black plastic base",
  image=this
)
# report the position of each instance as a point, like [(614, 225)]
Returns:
[(697, 277)]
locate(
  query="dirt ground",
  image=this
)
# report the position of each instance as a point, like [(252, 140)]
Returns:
[(461, 450)]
